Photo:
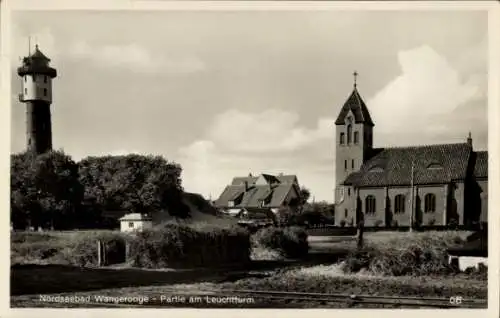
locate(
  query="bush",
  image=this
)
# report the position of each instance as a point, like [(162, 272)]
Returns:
[(418, 254), (83, 250), (189, 245), (288, 241)]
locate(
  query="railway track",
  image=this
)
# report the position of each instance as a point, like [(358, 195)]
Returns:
[(209, 298)]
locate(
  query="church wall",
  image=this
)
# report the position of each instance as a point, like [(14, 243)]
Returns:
[(436, 217), (378, 218), (483, 184), (401, 219), (458, 198), (347, 204)]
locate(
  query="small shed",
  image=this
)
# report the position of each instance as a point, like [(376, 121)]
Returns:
[(135, 222)]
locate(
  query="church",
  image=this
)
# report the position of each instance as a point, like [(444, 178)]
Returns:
[(429, 185)]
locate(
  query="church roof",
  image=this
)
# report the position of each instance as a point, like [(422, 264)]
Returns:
[(481, 164), (432, 164), (357, 106)]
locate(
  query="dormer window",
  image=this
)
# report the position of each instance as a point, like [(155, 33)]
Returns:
[(434, 166), (376, 169)]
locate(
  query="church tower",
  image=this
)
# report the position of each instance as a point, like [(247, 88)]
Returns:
[(353, 140), (36, 77)]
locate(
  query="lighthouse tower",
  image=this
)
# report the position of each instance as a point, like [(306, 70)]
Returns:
[(36, 76)]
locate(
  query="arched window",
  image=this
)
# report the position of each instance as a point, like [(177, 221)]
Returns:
[(349, 133), (356, 137), (430, 203), (345, 164), (399, 203), (342, 138), (370, 204)]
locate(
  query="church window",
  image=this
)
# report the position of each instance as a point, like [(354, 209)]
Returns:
[(342, 138), (430, 203), (399, 203), (345, 164), (25, 78), (370, 204), (352, 163), (349, 133), (345, 213), (356, 137), (348, 191)]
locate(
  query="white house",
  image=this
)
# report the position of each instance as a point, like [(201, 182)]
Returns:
[(135, 222)]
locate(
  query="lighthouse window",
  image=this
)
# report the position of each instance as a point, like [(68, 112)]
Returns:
[(25, 78), (44, 92), (45, 79)]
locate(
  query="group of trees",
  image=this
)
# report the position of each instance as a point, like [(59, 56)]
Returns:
[(300, 212), (51, 190)]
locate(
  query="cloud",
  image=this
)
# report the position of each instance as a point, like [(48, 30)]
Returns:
[(428, 94), (135, 57), (237, 143), (273, 130)]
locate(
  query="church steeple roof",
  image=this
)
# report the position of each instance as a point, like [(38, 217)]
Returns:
[(357, 106)]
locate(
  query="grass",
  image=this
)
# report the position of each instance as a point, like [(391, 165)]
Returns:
[(404, 253), (319, 279)]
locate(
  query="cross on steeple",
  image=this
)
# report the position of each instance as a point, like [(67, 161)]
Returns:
[(355, 74)]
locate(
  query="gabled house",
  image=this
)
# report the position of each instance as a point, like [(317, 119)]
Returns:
[(263, 191)]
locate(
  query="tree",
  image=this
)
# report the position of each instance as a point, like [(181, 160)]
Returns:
[(135, 183), (45, 190), (305, 194)]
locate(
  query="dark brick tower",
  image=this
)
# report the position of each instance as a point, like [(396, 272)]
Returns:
[(36, 76)]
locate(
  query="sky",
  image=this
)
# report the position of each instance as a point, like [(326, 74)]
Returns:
[(226, 94)]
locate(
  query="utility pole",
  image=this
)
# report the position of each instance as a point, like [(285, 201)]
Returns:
[(412, 194)]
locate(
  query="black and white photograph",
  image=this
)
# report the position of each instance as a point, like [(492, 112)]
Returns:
[(249, 158)]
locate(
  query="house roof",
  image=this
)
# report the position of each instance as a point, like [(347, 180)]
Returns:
[(481, 164), (273, 193), (135, 217), (432, 164), (357, 106)]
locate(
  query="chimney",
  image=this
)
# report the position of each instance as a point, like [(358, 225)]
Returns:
[(469, 139)]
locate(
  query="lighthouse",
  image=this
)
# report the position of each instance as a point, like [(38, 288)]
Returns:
[(36, 77)]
